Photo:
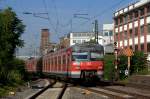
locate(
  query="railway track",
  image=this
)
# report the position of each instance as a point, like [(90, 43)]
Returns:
[(118, 91), (54, 90), (108, 93), (42, 90), (107, 90), (136, 93)]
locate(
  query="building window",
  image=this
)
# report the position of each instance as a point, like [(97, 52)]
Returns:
[(116, 37), (74, 41), (148, 47), (148, 28), (142, 11), (130, 33), (142, 47), (79, 35), (121, 20), (116, 21), (105, 33), (136, 31), (148, 9), (130, 16), (120, 35), (83, 41), (88, 34), (136, 14), (110, 33), (79, 41), (125, 35), (142, 30), (125, 18), (75, 35), (83, 34), (136, 47)]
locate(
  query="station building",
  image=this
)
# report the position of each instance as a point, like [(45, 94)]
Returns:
[(132, 26)]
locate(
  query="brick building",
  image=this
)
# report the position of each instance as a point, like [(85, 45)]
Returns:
[(132, 26), (45, 44)]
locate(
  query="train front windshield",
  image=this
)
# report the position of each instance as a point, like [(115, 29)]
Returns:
[(80, 57), (91, 56), (96, 56)]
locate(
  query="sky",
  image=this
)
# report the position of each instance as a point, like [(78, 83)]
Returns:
[(60, 19)]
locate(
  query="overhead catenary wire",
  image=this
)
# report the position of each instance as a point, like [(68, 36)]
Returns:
[(57, 18), (103, 12), (48, 17)]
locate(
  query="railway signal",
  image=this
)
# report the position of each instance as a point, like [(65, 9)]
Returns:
[(128, 52), (116, 61)]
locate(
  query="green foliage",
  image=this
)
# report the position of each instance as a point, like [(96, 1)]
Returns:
[(122, 66), (11, 28), (138, 64), (14, 75), (109, 67)]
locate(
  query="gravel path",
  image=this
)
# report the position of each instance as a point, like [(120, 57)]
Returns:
[(77, 93), (26, 92)]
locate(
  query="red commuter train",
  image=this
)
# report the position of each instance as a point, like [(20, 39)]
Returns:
[(33, 65), (78, 61)]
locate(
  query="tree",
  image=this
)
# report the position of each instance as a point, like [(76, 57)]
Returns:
[(11, 28)]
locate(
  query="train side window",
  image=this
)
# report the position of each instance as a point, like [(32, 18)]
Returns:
[(64, 61), (52, 63), (49, 64), (59, 63), (55, 62)]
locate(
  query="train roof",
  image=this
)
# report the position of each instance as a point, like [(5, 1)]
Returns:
[(87, 47), (81, 48)]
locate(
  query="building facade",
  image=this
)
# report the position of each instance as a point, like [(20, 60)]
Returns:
[(132, 26), (108, 37), (108, 33), (64, 42), (45, 45), (81, 37)]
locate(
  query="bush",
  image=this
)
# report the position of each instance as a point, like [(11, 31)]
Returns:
[(13, 73), (138, 62), (109, 67), (137, 66), (122, 66)]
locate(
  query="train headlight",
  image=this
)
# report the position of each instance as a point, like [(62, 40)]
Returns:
[(76, 63)]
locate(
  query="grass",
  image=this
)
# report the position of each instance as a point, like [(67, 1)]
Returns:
[(4, 90)]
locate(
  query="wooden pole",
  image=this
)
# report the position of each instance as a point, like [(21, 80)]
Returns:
[(128, 65)]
